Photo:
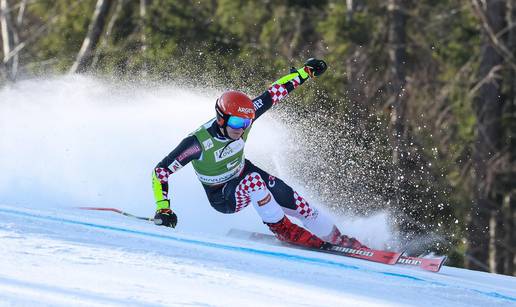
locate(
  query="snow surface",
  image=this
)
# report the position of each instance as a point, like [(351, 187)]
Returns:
[(79, 141)]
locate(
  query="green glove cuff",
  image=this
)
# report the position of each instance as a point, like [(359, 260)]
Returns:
[(287, 78), (302, 73)]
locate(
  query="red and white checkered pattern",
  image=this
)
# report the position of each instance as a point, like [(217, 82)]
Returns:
[(252, 182), (162, 174), (302, 206), (296, 82), (277, 92)]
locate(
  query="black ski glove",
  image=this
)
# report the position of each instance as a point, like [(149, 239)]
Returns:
[(315, 67), (165, 217)]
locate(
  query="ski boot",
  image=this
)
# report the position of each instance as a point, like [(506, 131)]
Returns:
[(336, 238), (289, 232)]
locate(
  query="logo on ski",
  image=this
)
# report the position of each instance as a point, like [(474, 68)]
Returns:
[(409, 261), (352, 251)]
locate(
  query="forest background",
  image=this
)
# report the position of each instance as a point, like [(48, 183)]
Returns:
[(423, 92)]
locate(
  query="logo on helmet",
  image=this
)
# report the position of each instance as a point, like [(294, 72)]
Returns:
[(245, 110)]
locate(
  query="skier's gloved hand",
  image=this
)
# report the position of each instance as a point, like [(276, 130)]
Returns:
[(315, 67), (165, 217)]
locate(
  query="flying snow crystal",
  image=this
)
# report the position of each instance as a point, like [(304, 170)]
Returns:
[(81, 141)]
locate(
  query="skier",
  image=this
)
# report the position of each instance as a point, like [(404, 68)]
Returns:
[(231, 182)]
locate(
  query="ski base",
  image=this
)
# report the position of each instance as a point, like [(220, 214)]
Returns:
[(386, 257)]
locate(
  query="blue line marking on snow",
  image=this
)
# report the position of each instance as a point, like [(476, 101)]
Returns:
[(403, 276), (496, 295), (247, 250), (184, 240)]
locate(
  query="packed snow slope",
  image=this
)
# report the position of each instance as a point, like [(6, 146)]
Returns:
[(65, 257), (79, 141)]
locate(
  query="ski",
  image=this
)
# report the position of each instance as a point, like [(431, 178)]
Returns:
[(385, 257), (433, 264), (380, 256)]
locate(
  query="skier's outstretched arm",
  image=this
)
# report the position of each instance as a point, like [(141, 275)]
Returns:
[(188, 150), (286, 84)]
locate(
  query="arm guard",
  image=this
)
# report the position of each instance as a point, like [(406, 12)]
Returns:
[(279, 90), (188, 150)]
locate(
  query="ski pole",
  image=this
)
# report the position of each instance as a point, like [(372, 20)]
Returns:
[(150, 219)]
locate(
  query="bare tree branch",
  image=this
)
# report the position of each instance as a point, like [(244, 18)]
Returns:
[(37, 33), (143, 16), (490, 77), (21, 11), (497, 44), (9, 39), (109, 31), (97, 24)]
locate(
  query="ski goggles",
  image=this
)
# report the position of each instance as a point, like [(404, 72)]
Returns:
[(236, 122)]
